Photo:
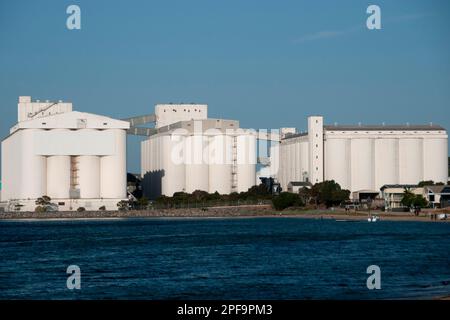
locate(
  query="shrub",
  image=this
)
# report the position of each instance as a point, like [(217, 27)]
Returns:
[(123, 205), (40, 209), (286, 200), (143, 203), (102, 208), (81, 209)]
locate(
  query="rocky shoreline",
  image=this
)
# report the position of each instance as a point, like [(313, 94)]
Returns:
[(191, 212), (216, 212)]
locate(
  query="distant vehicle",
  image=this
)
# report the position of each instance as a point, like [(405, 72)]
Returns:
[(442, 216)]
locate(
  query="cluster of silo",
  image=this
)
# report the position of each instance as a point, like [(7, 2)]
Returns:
[(367, 160), (294, 160), (212, 162), (364, 158), (74, 176), (72, 157)]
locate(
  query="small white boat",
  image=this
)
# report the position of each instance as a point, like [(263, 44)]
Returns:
[(373, 219)]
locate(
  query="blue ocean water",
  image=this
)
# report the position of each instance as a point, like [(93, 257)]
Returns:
[(254, 258)]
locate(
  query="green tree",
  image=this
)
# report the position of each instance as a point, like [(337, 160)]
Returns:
[(285, 200), (329, 193), (408, 198), (424, 183), (420, 201), (305, 195), (412, 200)]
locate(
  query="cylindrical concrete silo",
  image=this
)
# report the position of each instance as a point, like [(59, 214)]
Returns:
[(220, 163), (58, 177), (337, 163), (34, 183), (89, 177), (297, 164), (197, 168), (304, 160), (411, 160), (282, 176), (113, 174), (173, 175), (386, 161), (246, 161), (362, 169), (288, 171), (435, 159)]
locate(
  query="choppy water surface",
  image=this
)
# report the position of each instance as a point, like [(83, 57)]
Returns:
[(259, 258)]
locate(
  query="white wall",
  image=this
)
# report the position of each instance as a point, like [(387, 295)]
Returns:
[(208, 163), (315, 138), (171, 113), (364, 160), (367, 160), (33, 167)]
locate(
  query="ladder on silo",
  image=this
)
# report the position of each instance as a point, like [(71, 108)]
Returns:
[(234, 165)]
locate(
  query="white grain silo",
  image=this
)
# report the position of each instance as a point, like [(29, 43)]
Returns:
[(220, 149), (113, 168), (33, 182), (197, 160), (77, 159), (209, 147), (363, 158), (411, 160), (337, 160), (89, 176), (362, 163), (246, 160), (435, 152), (173, 175), (58, 177), (386, 161)]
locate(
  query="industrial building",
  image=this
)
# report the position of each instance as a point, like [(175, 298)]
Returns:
[(77, 159), (363, 158), (189, 152)]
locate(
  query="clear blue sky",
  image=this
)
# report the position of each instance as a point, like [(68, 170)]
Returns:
[(268, 64)]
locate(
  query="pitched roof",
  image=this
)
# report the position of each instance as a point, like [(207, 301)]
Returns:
[(71, 120), (386, 186), (438, 189)]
